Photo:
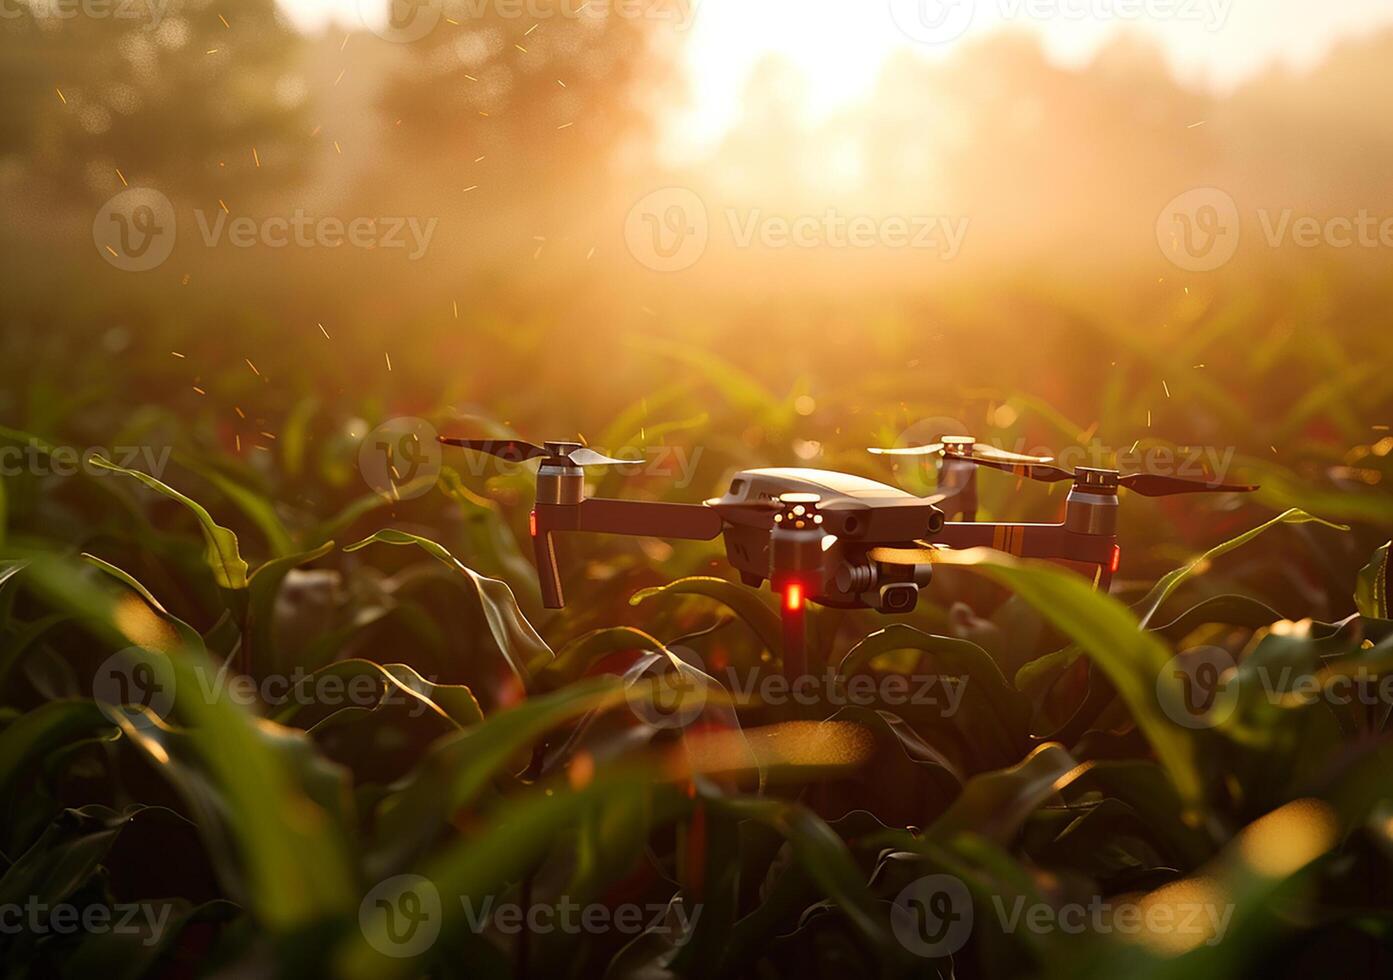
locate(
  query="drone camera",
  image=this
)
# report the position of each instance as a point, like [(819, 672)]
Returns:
[(898, 597)]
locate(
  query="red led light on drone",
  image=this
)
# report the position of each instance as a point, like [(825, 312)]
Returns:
[(793, 596), (532, 523), (1116, 558)]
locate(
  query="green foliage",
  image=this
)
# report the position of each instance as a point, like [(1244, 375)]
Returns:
[(330, 727)]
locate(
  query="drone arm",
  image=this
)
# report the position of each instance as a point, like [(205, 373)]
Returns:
[(607, 516), (648, 518), (1051, 541)]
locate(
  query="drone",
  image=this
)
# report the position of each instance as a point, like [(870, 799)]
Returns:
[(835, 539)]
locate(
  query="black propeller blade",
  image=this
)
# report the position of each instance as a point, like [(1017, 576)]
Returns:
[(517, 451), (1146, 484), (1155, 485)]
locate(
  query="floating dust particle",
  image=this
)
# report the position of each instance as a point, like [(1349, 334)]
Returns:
[(454, 305), (471, 78), (340, 78), (483, 113), (269, 435), (561, 83), (1134, 447), (238, 410), (1165, 387), (185, 280), (590, 254), (199, 390), (223, 206), (1274, 450), (112, 251), (469, 188), (176, 353), (60, 95), (520, 48), (338, 149), (256, 158), (252, 366), (1197, 125), (323, 331), (122, 176), (345, 41), (530, 29), (389, 360), (566, 125), (224, 22), (477, 159), (238, 439), (1148, 418)]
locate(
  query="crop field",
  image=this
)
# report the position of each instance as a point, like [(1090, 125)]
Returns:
[(279, 692)]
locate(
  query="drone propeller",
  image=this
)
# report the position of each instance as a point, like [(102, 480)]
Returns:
[(517, 451), (961, 447), (1146, 484)]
